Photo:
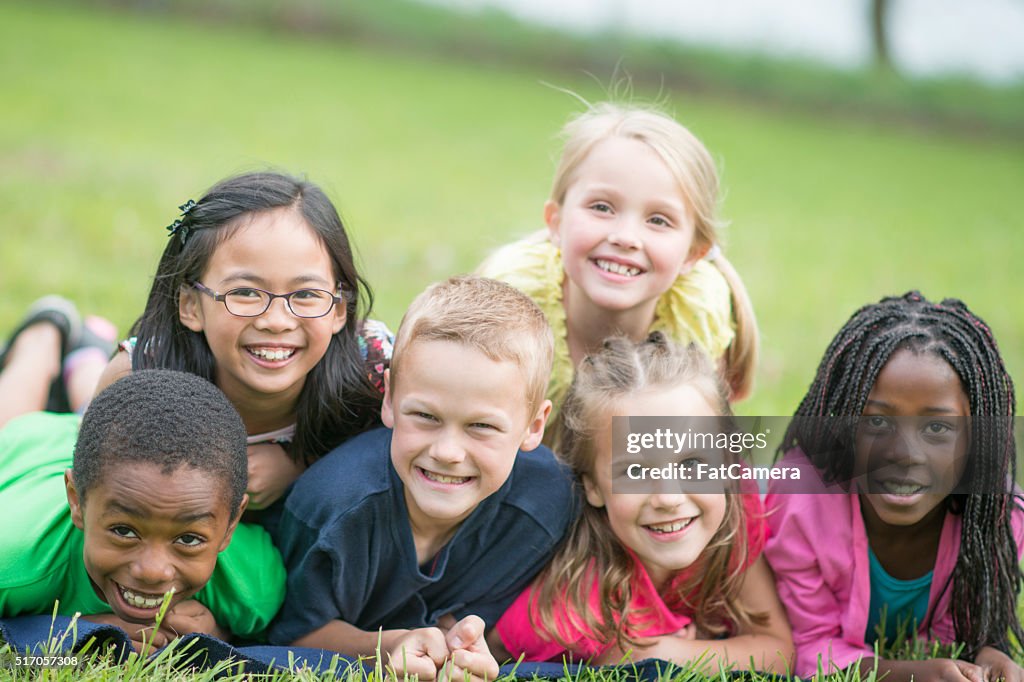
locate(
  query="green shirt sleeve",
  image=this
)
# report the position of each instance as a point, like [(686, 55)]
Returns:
[(247, 587)]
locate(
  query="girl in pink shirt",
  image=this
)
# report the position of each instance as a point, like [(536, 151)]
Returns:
[(909, 424), (664, 573)]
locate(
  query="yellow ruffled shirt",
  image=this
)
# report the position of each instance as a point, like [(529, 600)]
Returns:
[(697, 309)]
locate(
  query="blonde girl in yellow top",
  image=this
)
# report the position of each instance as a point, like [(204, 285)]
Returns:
[(631, 247)]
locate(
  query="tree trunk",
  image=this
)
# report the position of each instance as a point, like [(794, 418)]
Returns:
[(879, 33)]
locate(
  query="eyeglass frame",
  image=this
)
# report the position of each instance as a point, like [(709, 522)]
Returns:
[(336, 299)]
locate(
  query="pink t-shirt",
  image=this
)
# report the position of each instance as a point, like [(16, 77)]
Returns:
[(651, 616)]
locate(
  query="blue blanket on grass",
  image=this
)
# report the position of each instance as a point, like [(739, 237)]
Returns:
[(30, 634)]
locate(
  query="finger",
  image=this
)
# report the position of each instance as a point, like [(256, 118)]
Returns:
[(446, 622), (466, 632), (478, 664), (406, 663), (972, 672), (426, 642)]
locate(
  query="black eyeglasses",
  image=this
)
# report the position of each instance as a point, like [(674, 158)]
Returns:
[(253, 302)]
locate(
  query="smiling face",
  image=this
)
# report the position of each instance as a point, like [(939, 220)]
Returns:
[(624, 228), (459, 418), (913, 438), (148, 532), (666, 528), (268, 355)]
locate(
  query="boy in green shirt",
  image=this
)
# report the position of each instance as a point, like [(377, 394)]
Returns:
[(154, 495)]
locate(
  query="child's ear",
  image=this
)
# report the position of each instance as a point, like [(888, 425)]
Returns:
[(234, 523), (696, 253), (387, 412), (189, 311), (74, 501), (552, 218), (535, 429), (340, 314), (593, 493)]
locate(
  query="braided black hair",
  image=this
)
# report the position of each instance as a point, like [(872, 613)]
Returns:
[(987, 578)]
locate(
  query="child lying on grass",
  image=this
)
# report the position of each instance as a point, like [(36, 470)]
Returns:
[(153, 496)]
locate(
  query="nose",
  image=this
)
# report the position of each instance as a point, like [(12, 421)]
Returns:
[(277, 317), (447, 447), (624, 234), (152, 566), (905, 448), (667, 495)]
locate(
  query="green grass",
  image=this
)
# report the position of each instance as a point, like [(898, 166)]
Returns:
[(180, 661), (111, 120)]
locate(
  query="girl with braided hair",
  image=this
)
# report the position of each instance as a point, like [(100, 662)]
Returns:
[(910, 420)]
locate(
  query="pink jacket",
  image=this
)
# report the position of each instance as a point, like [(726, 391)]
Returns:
[(818, 549)]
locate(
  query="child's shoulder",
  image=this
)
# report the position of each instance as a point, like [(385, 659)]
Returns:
[(542, 487), (819, 508), (532, 265), (345, 477)]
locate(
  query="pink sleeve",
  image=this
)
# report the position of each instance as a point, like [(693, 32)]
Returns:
[(757, 526), (1017, 521), (519, 636), (797, 528), (522, 639)]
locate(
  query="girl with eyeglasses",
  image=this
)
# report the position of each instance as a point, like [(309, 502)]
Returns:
[(305, 372)]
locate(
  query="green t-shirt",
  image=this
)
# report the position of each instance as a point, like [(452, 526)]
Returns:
[(41, 549)]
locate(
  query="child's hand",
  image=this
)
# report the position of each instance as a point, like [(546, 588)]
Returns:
[(190, 616), (271, 471), (944, 669), (468, 652), (422, 652), (999, 666), (140, 635)]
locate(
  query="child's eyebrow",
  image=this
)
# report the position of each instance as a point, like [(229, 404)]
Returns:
[(256, 279), (929, 410), (117, 507)]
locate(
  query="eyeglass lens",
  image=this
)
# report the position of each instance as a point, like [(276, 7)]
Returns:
[(303, 303)]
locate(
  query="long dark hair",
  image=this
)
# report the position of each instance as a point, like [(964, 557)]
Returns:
[(337, 399), (987, 578)]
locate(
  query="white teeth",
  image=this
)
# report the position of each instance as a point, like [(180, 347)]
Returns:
[(140, 601), (670, 527), (897, 488), (441, 478), (267, 354), (618, 268)]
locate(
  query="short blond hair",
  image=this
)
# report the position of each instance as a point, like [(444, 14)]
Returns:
[(493, 317), (694, 169)]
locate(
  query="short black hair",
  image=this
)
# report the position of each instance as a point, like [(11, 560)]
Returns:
[(166, 418)]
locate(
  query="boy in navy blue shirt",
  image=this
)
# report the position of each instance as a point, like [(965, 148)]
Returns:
[(416, 537)]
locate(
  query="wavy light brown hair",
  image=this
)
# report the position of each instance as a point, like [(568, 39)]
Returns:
[(694, 169), (493, 317), (592, 551)]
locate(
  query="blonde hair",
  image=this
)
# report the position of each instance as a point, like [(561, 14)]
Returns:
[(591, 552), (493, 317), (694, 169)]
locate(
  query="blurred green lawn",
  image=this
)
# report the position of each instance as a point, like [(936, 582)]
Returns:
[(109, 121)]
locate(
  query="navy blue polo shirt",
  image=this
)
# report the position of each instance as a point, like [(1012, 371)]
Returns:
[(349, 551)]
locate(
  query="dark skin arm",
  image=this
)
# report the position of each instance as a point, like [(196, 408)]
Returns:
[(183, 618)]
